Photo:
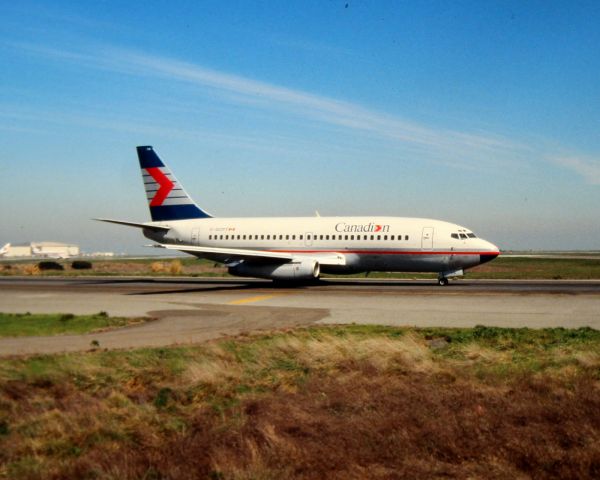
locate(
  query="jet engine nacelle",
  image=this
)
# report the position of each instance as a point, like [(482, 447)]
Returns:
[(300, 270)]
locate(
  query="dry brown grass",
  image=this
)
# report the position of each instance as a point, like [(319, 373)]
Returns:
[(157, 267), (325, 403), (29, 269), (190, 267), (175, 267)]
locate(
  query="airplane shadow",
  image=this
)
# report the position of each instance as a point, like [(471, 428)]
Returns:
[(226, 285), (199, 285)]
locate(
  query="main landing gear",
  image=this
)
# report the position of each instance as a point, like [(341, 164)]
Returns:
[(442, 281)]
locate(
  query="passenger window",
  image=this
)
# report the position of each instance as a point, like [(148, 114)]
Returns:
[(210, 237), (345, 237), (385, 237), (378, 237), (392, 237), (301, 237), (244, 237), (320, 237), (262, 237), (326, 237), (308, 237), (293, 237), (405, 237), (287, 237), (220, 237), (372, 237)]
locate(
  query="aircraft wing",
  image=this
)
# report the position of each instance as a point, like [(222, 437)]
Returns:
[(233, 255)]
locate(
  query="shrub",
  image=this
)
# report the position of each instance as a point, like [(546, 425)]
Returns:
[(175, 267), (30, 269), (157, 267), (50, 266), (81, 265)]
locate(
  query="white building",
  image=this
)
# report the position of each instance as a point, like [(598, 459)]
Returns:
[(43, 250)]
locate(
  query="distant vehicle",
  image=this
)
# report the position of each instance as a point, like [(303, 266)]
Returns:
[(301, 248), (4, 250)]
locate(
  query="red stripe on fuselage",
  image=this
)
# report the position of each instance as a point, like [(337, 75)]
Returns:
[(385, 252)]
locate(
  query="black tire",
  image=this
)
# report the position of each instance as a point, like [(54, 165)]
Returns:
[(442, 281)]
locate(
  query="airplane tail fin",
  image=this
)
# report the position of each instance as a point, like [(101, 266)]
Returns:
[(166, 197), (4, 249)]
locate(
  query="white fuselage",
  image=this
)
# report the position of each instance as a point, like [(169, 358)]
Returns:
[(367, 243)]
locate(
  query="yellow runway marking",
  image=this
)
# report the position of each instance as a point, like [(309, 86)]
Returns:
[(253, 299)]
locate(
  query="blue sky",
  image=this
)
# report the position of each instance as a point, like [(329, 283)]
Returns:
[(482, 113)]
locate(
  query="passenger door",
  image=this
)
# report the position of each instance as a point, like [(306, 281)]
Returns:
[(195, 236), (427, 239)]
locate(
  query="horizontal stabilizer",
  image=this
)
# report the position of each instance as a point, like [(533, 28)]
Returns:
[(149, 226)]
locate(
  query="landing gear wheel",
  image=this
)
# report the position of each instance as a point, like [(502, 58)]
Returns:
[(442, 281)]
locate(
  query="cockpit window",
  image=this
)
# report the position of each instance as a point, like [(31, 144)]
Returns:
[(471, 235), (454, 235), (462, 235)]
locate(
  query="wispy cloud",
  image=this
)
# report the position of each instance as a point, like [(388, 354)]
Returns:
[(461, 149), (588, 168), (321, 108)]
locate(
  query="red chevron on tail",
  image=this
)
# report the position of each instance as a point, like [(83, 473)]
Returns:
[(165, 184)]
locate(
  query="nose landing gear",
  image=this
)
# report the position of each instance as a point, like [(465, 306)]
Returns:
[(444, 276)]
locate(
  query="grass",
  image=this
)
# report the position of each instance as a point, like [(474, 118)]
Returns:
[(27, 324), (322, 402), (500, 268), (538, 268)]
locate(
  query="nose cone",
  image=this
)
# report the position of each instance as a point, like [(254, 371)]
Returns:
[(490, 252)]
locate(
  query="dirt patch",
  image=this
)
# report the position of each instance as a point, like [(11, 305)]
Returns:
[(232, 317)]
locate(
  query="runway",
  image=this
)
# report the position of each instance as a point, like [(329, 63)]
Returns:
[(199, 309)]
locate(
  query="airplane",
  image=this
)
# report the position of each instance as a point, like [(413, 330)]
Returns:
[(4, 250), (301, 248)]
